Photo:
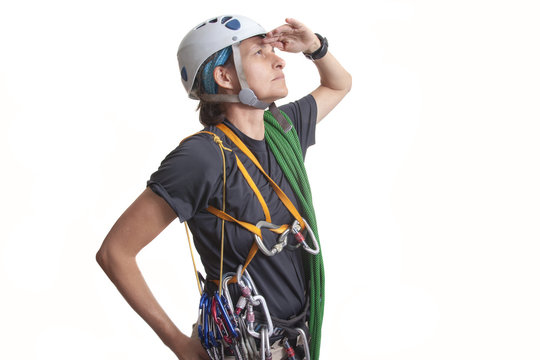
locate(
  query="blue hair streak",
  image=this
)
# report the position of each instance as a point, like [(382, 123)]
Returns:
[(209, 84)]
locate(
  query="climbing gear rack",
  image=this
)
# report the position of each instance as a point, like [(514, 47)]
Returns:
[(225, 328)]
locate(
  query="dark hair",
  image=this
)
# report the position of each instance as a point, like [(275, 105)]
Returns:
[(210, 113)]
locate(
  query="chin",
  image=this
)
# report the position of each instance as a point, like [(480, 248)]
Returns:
[(278, 95)]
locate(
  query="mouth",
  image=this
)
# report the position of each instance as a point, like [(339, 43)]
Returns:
[(279, 77)]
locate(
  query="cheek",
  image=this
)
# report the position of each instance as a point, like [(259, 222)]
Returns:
[(255, 71)]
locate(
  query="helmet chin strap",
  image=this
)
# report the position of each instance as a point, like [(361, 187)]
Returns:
[(246, 95)]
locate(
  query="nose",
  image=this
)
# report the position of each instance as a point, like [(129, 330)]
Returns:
[(279, 63)]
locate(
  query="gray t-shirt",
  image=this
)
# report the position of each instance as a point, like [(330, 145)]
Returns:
[(190, 179)]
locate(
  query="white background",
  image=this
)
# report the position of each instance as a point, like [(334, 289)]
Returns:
[(425, 178)]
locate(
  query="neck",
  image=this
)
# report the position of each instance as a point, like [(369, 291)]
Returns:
[(248, 120)]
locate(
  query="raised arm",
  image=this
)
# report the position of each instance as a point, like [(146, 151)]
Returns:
[(137, 227), (336, 82)]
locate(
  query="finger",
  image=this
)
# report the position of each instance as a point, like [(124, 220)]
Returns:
[(294, 23), (276, 44), (280, 30), (270, 39), (273, 40)]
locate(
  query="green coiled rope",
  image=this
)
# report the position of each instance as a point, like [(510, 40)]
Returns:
[(288, 153)]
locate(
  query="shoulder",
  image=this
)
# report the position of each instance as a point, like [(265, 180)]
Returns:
[(188, 176), (198, 153), (305, 107), (201, 144), (303, 114)]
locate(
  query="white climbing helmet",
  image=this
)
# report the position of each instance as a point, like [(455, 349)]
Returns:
[(210, 37)]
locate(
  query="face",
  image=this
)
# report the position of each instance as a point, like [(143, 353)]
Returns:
[(263, 69)]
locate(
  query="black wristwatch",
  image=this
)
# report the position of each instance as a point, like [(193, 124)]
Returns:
[(320, 52)]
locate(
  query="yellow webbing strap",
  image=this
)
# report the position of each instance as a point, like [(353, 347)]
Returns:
[(249, 227), (255, 189), (284, 199), (224, 216)]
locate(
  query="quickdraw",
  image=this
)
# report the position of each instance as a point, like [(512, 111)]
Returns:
[(218, 330), (230, 330)]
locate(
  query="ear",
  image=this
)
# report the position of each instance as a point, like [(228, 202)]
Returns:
[(225, 77)]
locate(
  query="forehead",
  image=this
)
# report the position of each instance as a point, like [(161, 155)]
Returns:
[(252, 41)]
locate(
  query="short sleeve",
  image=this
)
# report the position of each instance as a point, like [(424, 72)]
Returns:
[(188, 177), (303, 114)]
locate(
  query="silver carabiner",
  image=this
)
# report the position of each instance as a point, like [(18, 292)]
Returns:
[(305, 343), (295, 228), (239, 277), (225, 287), (262, 302), (301, 240), (265, 352), (250, 283), (258, 300), (282, 242), (245, 280)]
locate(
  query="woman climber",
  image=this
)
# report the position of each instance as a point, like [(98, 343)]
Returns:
[(240, 185)]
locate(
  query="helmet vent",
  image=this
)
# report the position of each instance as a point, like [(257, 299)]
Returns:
[(213, 21), (225, 19), (233, 24), (184, 73)]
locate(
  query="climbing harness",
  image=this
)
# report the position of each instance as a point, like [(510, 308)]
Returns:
[(228, 329)]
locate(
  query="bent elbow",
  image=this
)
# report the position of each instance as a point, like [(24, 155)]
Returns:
[(349, 83), (106, 258), (113, 259), (101, 258)]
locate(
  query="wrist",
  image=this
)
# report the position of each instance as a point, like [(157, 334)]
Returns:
[(315, 45), (321, 51), (176, 341)]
